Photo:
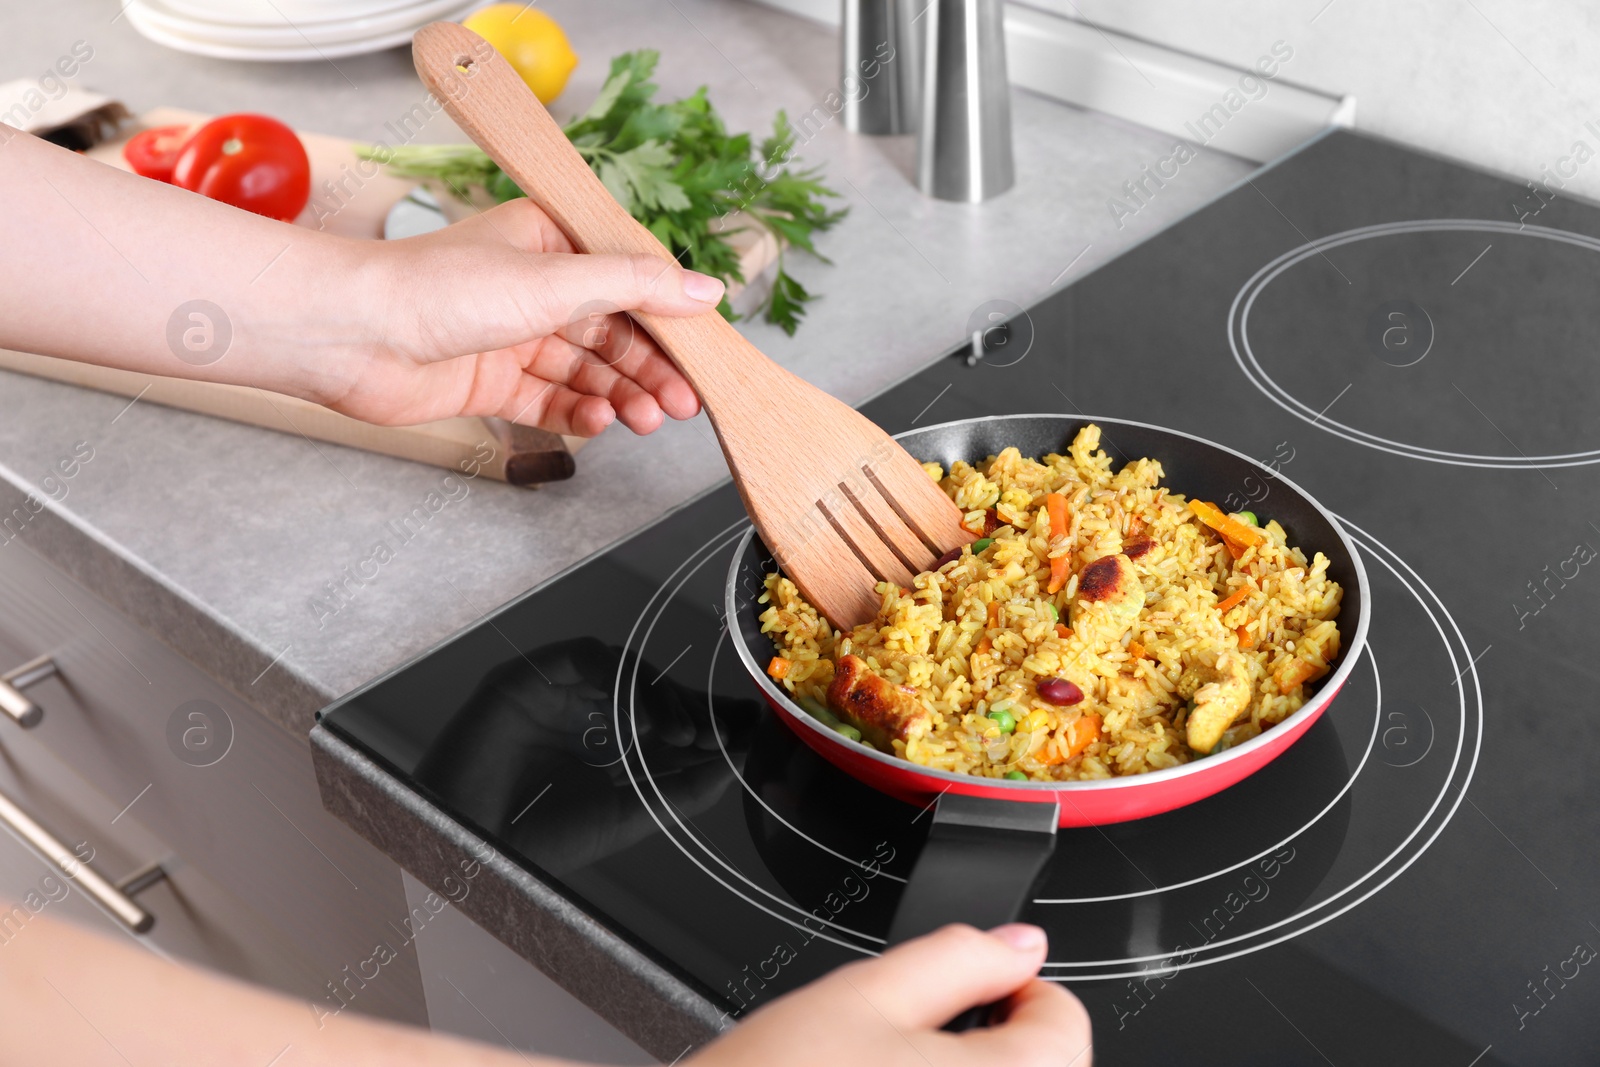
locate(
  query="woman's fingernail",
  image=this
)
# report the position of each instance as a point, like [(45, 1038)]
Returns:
[(703, 287), (1021, 936)]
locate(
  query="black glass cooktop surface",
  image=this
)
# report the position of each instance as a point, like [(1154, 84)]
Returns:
[(1411, 341)]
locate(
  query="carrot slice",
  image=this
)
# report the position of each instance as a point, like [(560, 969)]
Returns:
[(1060, 570), (1230, 528), (777, 667), (1136, 650), (984, 645), (1246, 639), (1056, 505), (1236, 598), (1062, 630), (994, 614), (1082, 734), (1297, 672)]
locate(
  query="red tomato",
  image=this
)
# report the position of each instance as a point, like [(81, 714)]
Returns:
[(152, 152), (249, 161)]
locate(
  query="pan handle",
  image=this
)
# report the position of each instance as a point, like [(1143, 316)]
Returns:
[(978, 866)]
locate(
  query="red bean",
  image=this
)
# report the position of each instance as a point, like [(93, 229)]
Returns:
[(1059, 691), (949, 557)]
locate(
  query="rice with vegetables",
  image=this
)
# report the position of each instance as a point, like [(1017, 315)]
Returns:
[(1100, 626)]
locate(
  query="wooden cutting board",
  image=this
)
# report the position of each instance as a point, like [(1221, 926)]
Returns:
[(348, 199)]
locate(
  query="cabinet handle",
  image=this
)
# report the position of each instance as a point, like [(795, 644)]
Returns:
[(117, 900), (13, 701)]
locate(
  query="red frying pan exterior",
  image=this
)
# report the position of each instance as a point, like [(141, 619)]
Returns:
[(1082, 803)]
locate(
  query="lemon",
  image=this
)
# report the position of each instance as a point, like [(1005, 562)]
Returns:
[(531, 41)]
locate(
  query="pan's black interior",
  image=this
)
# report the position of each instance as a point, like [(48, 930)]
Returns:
[(1407, 884)]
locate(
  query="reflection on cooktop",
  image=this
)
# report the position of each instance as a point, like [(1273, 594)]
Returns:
[(542, 723)]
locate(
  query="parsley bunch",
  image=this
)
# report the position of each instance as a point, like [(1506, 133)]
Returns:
[(677, 170)]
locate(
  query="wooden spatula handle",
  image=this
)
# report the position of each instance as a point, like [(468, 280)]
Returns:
[(487, 99), (495, 107)]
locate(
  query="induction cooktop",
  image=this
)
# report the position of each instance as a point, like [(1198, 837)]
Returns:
[(1410, 340)]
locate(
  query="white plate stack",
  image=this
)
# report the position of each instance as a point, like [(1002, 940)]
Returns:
[(287, 30)]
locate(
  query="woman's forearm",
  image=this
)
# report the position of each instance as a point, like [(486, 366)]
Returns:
[(107, 267), (69, 996), (496, 315)]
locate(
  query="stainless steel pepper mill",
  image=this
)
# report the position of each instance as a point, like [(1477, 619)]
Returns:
[(964, 129), (878, 69)]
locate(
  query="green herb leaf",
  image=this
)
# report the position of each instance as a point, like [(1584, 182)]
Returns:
[(786, 304), (628, 71), (678, 170), (610, 93), (648, 171)]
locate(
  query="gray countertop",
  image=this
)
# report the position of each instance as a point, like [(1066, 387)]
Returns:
[(220, 537)]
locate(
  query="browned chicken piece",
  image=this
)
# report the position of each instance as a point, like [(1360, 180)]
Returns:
[(1108, 601), (1221, 694), (1137, 547), (882, 711)]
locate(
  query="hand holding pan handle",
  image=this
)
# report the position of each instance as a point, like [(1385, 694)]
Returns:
[(978, 866)]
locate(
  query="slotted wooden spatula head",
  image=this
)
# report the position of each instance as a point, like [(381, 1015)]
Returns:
[(841, 505)]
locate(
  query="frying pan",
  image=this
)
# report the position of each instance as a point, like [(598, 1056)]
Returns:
[(990, 837)]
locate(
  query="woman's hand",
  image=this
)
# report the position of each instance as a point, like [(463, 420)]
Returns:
[(497, 315), (887, 1012), (492, 316), (882, 1012)]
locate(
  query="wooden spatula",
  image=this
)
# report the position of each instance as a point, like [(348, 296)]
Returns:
[(841, 505)]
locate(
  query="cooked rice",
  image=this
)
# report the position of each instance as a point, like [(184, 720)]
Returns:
[(928, 638)]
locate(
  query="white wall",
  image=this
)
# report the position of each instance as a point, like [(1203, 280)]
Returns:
[(1437, 74)]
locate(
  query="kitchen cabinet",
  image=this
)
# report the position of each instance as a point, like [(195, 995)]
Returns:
[(22, 872), (477, 987), (141, 758)]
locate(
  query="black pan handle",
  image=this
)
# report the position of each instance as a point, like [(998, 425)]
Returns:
[(978, 866)]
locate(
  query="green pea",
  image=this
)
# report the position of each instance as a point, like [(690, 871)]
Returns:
[(980, 544), (1003, 719), (844, 729), (1016, 776), (1249, 517), (1055, 614)]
